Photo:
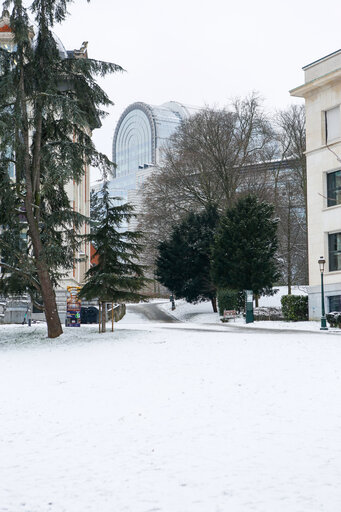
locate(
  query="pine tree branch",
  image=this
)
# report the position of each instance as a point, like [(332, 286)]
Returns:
[(23, 273)]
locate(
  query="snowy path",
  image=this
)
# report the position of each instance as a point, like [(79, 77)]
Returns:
[(151, 312), (160, 417)]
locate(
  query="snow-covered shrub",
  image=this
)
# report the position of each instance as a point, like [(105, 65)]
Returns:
[(294, 307), (334, 319), (267, 313)]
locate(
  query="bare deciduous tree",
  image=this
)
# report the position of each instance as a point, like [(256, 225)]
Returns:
[(290, 195), (218, 155), (203, 161)]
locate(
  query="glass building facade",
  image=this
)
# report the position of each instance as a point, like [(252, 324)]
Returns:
[(140, 133)]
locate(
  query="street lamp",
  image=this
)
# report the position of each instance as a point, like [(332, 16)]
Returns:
[(323, 327)]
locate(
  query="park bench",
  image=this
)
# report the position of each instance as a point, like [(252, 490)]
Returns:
[(229, 313)]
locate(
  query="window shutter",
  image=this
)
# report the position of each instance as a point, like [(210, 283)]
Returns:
[(333, 124)]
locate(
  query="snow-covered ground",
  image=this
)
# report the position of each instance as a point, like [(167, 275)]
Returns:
[(202, 313), (170, 418), (196, 313)]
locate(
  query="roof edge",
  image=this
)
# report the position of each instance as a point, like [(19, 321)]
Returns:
[(321, 59)]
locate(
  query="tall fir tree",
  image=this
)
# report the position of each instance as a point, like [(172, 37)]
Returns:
[(48, 106), (245, 247), (117, 276), (184, 261)]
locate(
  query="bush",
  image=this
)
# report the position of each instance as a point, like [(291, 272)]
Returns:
[(334, 319), (295, 307), (267, 313), (230, 299)]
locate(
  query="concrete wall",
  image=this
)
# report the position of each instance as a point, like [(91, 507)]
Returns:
[(12, 311), (322, 91), (315, 299)]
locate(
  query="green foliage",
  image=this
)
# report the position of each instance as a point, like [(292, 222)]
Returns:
[(117, 277), (230, 299), (183, 264), (245, 246), (294, 307), (48, 106)]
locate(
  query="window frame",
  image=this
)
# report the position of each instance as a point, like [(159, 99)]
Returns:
[(333, 253), (329, 197), (331, 298), (338, 136)]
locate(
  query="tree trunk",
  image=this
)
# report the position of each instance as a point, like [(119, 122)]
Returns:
[(104, 317), (289, 273), (214, 304), (54, 328), (256, 300)]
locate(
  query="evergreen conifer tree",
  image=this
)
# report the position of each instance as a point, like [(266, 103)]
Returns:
[(48, 106), (245, 247), (184, 261), (117, 277)]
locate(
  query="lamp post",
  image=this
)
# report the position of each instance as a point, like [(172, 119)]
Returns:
[(323, 327)]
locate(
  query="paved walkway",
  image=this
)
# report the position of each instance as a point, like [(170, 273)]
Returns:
[(152, 313)]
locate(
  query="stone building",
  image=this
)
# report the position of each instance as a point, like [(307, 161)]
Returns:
[(322, 93)]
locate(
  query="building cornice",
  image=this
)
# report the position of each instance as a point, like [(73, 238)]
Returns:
[(322, 59), (323, 147), (318, 83)]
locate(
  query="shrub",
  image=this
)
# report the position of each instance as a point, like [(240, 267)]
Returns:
[(334, 319), (267, 313), (295, 307), (230, 299)]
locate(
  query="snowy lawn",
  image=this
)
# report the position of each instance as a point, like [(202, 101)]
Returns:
[(147, 419), (202, 313)]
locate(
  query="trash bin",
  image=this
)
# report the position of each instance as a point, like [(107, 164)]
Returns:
[(89, 315)]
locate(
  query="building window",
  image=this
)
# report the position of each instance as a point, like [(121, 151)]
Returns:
[(334, 250), (333, 124), (334, 188), (335, 303)]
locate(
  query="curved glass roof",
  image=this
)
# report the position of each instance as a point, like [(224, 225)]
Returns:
[(61, 48), (134, 142), (142, 130)]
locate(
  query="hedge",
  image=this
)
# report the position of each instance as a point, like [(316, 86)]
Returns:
[(230, 299), (295, 307)]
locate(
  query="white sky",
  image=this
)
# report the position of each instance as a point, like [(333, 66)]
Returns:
[(201, 52)]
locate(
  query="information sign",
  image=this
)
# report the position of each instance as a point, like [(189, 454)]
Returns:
[(73, 307), (249, 306)]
